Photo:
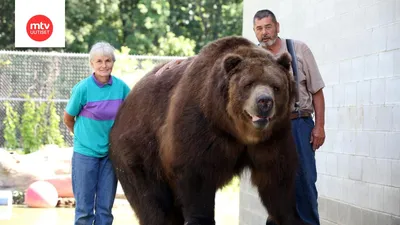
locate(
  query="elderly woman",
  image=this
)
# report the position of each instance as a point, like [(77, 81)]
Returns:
[(89, 115)]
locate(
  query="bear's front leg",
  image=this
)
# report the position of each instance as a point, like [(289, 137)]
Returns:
[(277, 197), (274, 173), (196, 193)]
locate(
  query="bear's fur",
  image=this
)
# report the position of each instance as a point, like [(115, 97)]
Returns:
[(181, 135)]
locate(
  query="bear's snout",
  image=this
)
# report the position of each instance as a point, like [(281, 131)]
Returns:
[(264, 104), (260, 106)]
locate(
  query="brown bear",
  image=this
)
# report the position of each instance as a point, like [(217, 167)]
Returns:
[(182, 135)]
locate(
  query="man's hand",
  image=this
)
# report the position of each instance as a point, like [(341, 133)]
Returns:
[(169, 65), (317, 137), (318, 133)]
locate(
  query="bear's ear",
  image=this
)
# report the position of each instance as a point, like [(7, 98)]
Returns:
[(231, 61), (285, 60)]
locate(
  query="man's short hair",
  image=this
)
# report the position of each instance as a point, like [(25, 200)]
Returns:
[(264, 13)]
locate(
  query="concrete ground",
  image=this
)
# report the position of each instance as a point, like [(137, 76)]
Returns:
[(227, 212)]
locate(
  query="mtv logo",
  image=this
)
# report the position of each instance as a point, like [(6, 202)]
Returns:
[(39, 23), (5, 205)]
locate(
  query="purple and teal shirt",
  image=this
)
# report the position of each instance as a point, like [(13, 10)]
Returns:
[(95, 106)]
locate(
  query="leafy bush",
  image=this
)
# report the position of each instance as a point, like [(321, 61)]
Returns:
[(53, 133), (10, 122), (29, 126), (37, 126)]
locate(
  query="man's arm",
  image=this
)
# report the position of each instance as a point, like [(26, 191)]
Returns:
[(318, 133), (319, 107), (69, 121)]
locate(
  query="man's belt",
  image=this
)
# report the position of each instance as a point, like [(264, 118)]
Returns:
[(296, 115)]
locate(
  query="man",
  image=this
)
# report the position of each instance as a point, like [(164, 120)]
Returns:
[(308, 136)]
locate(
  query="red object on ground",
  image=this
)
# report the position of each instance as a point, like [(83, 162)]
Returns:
[(63, 185), (41, 194)]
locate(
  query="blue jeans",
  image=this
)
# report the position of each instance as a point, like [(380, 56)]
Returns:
[(306, 191), (94, 185)]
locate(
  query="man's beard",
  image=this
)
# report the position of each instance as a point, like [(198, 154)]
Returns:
[(268, 43)]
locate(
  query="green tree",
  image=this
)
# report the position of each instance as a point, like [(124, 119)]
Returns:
[(53, 133), (177, 46), (29, 126), (7, 24), (41, 126), (205, 19), (11, 122), (88, 21)]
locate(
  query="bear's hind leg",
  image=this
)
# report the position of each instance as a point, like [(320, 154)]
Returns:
[(197, 195), (150, 197)]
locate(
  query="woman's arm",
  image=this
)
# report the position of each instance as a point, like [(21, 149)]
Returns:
[(69, 121)]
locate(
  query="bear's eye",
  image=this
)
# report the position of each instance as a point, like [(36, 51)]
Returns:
[(276, 89), (248, 85)]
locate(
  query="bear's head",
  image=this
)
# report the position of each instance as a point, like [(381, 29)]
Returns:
[(260, 94)]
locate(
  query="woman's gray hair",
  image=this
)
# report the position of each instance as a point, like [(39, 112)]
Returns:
[(102, 48)]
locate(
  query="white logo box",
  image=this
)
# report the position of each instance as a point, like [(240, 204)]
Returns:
[(53, 9)]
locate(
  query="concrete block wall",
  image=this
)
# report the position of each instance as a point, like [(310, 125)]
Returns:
[(357, 47)]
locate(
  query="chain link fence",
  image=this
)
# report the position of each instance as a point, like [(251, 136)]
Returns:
[(40, 75)]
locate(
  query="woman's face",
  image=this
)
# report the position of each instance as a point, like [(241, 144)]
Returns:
[(102, 65)]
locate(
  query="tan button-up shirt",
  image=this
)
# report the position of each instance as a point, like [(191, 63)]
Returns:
[(310, 79)]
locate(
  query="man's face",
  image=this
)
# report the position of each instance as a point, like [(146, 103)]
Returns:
[(266, 31)]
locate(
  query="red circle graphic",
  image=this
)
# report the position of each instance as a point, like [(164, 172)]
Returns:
[(39, 28)]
